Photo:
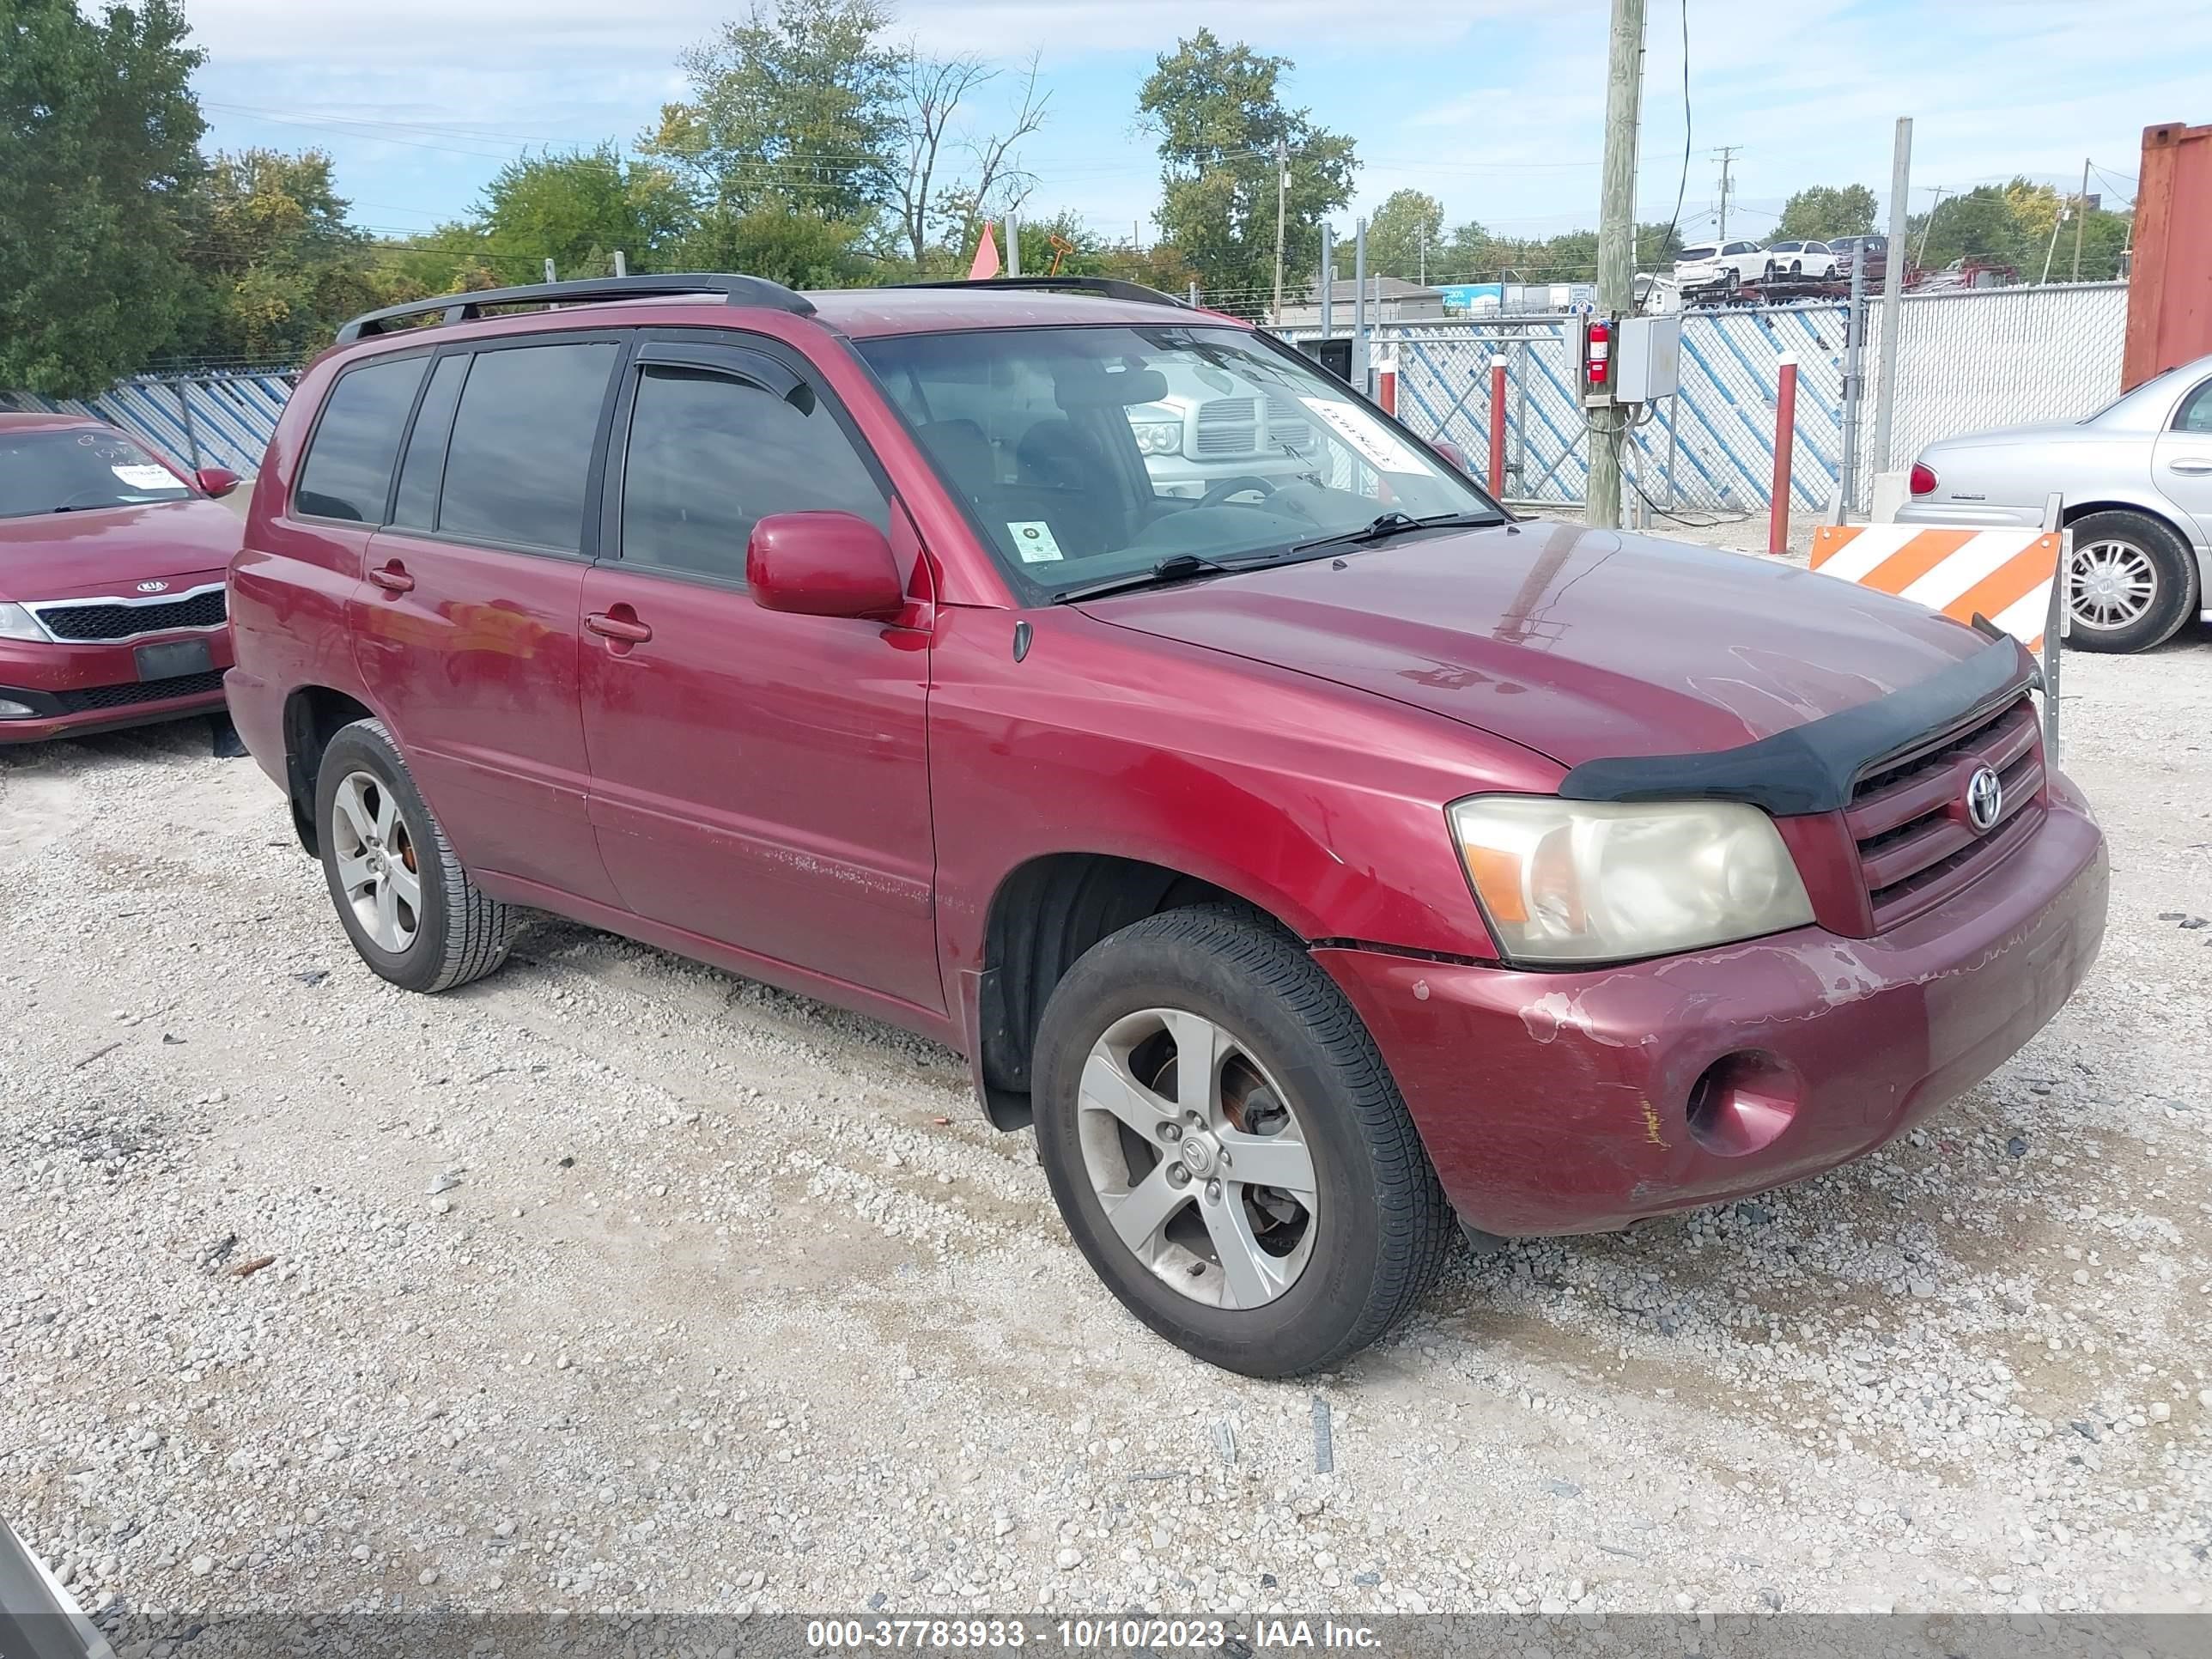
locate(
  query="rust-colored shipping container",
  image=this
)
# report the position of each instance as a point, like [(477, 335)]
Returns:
[(2170, 288)]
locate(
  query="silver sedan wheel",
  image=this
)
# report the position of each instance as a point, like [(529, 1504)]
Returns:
[(1197, 1158), (2112, 584), (378, 869)]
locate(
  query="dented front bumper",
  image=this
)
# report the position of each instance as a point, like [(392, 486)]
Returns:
[(1566, 1102)]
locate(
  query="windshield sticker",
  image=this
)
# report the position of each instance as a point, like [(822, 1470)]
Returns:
[(1033, 541), (1377, 443), (146, 477)]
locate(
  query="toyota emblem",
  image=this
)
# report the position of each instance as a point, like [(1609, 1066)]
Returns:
[(1985, 800), (153, 587)]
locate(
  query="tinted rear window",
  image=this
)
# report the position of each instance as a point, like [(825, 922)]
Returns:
[(521, 459), (416, 506), (348, 472)]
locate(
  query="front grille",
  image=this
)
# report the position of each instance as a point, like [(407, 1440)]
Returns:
[(1229, 426), (1908, 817), (79, 623), (1287, 425), (92, 697)]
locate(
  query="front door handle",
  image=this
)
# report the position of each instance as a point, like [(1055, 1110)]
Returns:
[(628, 629), (2194, 465), (392, 578)]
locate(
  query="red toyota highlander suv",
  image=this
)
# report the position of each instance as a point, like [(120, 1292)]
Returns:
[(111, 581), (1314, 860)]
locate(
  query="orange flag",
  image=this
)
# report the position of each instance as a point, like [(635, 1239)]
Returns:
[(987, 257)]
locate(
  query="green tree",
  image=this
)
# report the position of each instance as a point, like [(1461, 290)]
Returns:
[(1819, 211), (800, 105), (782, 241), (279, 264), (579, 207), (1217, 114), (1979, 225), (1656, 246), (99, 136), (1406, 237)]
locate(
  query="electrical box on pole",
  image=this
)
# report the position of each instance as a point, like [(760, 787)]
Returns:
[(1629, 360)]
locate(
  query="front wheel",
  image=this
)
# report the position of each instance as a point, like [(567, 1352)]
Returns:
[(2132, 583), (409, 908), (1228, 1149)]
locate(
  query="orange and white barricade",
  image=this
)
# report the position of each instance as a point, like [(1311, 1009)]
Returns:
[(2008, 577)]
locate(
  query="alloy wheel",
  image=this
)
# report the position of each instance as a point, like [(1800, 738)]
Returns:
[(2112, 584), (378, 870), (1198, 1158)]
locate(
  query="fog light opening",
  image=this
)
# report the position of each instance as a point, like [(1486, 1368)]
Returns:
[(1742, 1102)]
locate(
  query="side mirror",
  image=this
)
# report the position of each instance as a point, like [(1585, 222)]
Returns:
[(216, 481), (1452, 455), (823, 564)]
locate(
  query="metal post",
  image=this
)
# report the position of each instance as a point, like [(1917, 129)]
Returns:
[(2054, 626), (550, 277), (1193, 293), (1854, 338), (2080, 217), (191, 438), (1282, 202), (1616, 241), (1893, 284), (1519, 469), (1357, 355), (1498, 425), (622, 263), (1785, 438), (1013, 244), (1327, 282)]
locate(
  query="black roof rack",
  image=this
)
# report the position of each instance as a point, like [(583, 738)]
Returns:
[(466, 307), (1112, 287)]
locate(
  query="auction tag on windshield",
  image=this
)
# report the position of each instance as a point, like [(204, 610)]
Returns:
[(142, 477), (1369, 436), (1033, 541)]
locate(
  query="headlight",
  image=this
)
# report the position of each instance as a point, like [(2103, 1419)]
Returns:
[(1158, 437), (1600, 881), (17, 623)]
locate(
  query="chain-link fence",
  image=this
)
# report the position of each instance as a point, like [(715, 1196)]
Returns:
[(1975, 358), (1969, 360), (218, 420)]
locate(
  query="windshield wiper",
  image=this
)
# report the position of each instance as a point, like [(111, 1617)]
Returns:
[(1178, 567), (1387, 525)]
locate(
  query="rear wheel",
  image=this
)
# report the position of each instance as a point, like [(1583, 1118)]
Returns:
[(402, 897), (1227, 1148), (2132, 583)]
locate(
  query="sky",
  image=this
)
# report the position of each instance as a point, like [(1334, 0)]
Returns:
[(1494, 106)]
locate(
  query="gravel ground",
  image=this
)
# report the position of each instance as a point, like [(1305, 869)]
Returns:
[(614, 1281)]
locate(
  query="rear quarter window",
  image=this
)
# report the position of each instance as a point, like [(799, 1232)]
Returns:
[(347, 474)]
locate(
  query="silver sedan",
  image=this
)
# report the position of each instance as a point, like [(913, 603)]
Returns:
[(2135, 479)]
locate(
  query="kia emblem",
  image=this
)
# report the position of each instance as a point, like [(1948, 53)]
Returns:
[(153, 587), (1985, 800)]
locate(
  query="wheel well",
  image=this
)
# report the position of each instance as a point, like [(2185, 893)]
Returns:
[(313, 716), (1044, 915), (2074, 513)]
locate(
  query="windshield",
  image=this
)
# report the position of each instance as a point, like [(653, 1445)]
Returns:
[(71, 468), (1087, 454), (1690, 253)]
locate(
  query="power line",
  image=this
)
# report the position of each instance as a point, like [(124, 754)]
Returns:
[(1674, 219)]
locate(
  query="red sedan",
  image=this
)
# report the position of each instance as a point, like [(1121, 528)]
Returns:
[(112, 562)]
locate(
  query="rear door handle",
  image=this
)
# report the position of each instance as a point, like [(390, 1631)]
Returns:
[(2193, 464), (392, 578), (626, 628)]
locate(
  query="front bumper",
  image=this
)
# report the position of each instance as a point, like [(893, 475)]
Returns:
[(1563, 1102), (76, 689)]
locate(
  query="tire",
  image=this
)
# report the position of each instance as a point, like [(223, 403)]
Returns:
[(2115, 552), (1299, 1077), (457, 934)]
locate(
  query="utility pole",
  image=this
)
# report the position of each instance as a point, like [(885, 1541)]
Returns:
[(1327, 282), (1727, 153), (1616, 239), (1282, 199), (2080, 217), (1893, 284), (1929, 224), (1425, 253)]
